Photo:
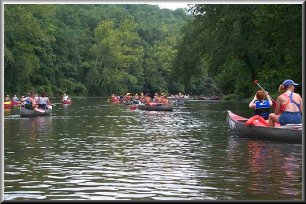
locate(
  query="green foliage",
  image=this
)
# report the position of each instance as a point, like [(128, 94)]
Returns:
[(101, 49), (236, 44), (91, 50)]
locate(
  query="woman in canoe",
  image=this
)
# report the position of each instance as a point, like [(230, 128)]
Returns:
[(288, 106), (43, 101), (261, 105)]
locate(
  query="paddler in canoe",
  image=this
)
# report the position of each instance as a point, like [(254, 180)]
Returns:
[(7, 98), (261, 107), (147, 99), (288, 105), (31, 103), (114, 99), (44, 101), (15, 100)]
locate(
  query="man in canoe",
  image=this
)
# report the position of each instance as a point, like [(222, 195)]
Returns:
[(261, 105), (7, 98), (30, 102), (165, 100), (147, 99), (288, 106)]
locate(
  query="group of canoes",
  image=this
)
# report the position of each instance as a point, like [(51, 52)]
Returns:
[(33, 104), (159, 102)]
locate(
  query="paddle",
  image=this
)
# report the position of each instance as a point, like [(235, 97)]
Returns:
[(273, 101)]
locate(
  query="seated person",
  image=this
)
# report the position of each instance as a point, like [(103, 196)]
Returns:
[(260, 105), (288, 105)]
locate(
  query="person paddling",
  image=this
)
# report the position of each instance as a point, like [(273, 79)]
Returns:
[(260, 105), (288, 106)]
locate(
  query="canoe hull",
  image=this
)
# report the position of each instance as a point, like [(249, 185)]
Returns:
[(156, 108), (292, 135), (8, 105), (31, 113)]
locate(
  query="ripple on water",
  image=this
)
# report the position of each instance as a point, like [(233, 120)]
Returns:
[(98, 151)]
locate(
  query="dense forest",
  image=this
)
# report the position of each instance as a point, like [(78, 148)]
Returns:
[(96, 50), (233, 45)]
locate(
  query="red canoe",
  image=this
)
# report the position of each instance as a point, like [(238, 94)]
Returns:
[(8, 105), (15, 103), (291, 133)]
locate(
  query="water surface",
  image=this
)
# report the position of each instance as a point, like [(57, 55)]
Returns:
[(93, 150)]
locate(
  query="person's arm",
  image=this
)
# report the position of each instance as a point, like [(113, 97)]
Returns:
[(277, 108), (33, 102), (252, 104), (49, 102)]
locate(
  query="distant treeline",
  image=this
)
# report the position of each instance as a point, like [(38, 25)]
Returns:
[(90, 50), (97, 50)]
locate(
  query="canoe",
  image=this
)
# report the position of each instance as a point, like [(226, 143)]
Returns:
[(8, 105), (67, 101), (156, 108), (31, 113), (180, 101), (15, 103), (287, 133)]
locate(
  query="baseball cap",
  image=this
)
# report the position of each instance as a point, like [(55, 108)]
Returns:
[(289, 82)]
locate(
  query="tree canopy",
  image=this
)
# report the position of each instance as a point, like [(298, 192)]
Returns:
[(97, 50)]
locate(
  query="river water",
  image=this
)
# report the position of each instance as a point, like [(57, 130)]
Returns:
[(93, 150)]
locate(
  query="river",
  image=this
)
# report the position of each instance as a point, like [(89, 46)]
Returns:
[(93, 150)]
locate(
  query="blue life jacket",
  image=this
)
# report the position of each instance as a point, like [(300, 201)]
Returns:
[(262, 108)]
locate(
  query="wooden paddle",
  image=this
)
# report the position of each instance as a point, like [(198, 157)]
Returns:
[(273, 101)]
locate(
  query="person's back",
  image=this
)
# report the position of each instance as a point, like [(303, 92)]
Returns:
[(30, 102), (43, 101), (15, 98), (147, 99), (260, 105), (290, 102), (165, 100), (288, 105), (7, 98), (65, 97)]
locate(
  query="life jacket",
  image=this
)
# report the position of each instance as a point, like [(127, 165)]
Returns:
[(256, 120), (28, 101), (262, 108)]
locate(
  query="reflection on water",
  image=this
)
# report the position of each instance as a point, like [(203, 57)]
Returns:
[(94, 150), (273, 169)]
